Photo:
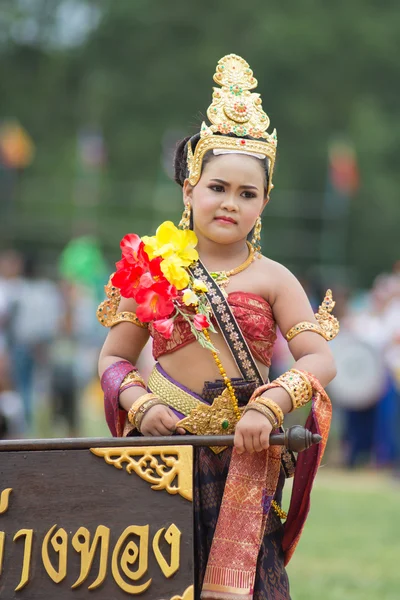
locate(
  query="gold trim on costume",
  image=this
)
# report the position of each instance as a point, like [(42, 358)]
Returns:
[(171, 393), (328, 325), (218, 418), (133, 377), (234, 109), (167, 468), (107, 313)]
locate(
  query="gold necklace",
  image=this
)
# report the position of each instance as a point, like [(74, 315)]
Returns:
[(222, 277)]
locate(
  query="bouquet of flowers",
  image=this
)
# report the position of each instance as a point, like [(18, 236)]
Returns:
[(154, 272)]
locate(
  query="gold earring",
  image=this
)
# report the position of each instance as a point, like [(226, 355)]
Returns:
[(185, 220), (256, 239)]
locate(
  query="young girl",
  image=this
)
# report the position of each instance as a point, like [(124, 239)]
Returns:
[(224, 294)]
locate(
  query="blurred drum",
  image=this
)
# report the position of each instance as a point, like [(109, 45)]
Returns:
[(361, 373)]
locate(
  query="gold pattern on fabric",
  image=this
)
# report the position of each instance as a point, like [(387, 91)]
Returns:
[(228, 326), (107, 313), (165, 467), (322, 412), (328, 325), (249, 489), (253, 315)]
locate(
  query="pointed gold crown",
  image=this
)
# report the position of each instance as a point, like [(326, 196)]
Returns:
[(234, 109)]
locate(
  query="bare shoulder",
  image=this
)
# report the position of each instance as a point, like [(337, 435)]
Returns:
[(277, 279)]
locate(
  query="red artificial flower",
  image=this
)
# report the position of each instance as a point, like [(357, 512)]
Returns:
[(132, 248), (134, 264), (155, 299), (200, 322), (165, 327), (127, 278)]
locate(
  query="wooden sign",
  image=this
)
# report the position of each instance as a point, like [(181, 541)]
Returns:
[(95, 522)]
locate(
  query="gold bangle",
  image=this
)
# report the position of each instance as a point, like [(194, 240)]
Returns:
[(132, 378), (136, 406), (297, 386), (145, 408), (273, 407), (264, 411)]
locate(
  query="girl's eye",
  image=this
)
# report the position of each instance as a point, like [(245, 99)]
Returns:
[(248, 195), (217, 188)]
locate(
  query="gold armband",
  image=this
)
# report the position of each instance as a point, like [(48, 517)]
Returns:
[(107, 313), (297, 386), (328, 325)]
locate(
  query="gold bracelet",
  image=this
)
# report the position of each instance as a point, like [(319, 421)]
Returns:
[(264, 411), (145, 408), (133, 378), (136, 406), (297, 386), (273, 407)]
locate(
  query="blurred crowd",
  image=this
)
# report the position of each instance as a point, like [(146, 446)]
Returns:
[(50, 340)]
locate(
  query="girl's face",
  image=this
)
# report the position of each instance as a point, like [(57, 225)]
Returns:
[(228, 198)]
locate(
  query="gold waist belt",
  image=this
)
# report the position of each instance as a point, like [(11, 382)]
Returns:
[(167, 390), (200, 418)]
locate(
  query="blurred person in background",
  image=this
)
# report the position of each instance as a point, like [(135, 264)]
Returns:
[(74, 351), (366, 387), (12, 417), (30, 320)]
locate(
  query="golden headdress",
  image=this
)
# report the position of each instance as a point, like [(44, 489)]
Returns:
[(234, 109)]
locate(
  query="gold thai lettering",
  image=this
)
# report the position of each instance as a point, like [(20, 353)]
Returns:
[(131, 551), (26, 565), (81, 543), (173, 537), (59, 541), (2, 538), (129, 556), (4, 499)]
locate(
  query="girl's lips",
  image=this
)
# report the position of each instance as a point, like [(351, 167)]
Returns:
[(225, 220)]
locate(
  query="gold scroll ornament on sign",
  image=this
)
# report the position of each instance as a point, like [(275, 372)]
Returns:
[(167, 468)]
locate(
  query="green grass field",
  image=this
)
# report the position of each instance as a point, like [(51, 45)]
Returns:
[(350, 548)]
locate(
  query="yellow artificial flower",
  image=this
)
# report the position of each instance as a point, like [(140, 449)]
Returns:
[(170, 241), (190, 298), (174, 272), (199, 285)]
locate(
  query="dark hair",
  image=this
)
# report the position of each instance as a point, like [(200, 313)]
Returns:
[(180, 158)]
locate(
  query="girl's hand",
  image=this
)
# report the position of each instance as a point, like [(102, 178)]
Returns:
[(160, 420), (252, 432)]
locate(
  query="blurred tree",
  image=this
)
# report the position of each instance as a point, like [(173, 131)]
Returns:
[(136, 70)]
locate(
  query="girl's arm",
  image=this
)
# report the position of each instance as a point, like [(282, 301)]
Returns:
[(309, 349), (125, 342), (290, 306)]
